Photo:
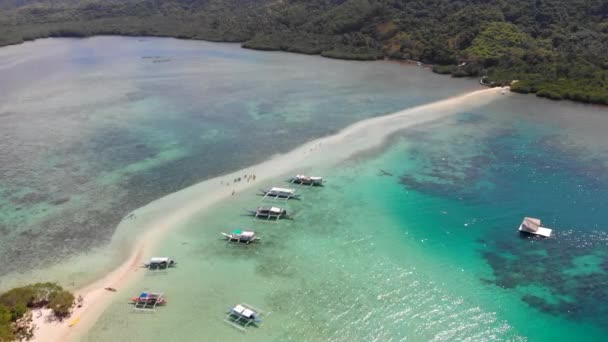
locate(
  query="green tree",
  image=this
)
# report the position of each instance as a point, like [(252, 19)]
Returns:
[(61, 304)]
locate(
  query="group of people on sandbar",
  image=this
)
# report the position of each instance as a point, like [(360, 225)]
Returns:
[(314, 147), (246, 177)]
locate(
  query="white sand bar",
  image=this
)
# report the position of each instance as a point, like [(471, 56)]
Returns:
[(170, 211)]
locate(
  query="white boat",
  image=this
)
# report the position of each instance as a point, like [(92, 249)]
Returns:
[(269, 213), (531, 225), (148, 301), (241, 236), (307, 180), (157, 263), (277, 193), (243, 315)]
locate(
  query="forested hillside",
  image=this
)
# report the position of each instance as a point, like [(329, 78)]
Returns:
[(555, 48)]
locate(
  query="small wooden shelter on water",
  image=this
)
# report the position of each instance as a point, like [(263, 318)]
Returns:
[(531, 225)]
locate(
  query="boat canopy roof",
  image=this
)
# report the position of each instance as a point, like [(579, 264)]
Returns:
[(159, 260), (308, 177), (530, 224), (276, 210), (144, 295), (244, 233), (243, 311), (285, 190)]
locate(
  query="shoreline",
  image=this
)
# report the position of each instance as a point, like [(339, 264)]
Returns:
[(407, 62), (182, 205)]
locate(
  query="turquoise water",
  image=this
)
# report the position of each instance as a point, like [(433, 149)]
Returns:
[(416, 242), (91, 129)]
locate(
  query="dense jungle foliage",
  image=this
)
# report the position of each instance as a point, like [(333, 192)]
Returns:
[(555, 48), (16, 305)]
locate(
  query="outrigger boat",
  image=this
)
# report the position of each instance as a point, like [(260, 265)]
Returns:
[(532, 225), (160, 263), (243, 315), (148, 301), (241, 236), (307, 180), (269, 213), (277, 193)]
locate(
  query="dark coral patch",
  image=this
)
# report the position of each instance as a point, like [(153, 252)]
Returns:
[(527, 171)]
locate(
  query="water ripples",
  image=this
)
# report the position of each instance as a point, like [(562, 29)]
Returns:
[(389, 303)]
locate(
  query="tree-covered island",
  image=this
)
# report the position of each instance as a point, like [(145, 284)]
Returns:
[(16, 306), (555, 48)]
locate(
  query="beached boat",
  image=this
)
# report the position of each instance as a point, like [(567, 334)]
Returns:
[(269, 213), (148, 301), (280, 193), (532, 225), (307, 180), (241, 236), (243, 315), (160, 263)]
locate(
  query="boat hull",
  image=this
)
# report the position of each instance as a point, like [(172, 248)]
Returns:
[(267, 216), (148, 301), (544, 232), (240, 239), (306, 182), (278, 195)]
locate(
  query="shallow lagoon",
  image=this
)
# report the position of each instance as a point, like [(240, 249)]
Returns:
[(91, 129), (415, 242), (94, 128)]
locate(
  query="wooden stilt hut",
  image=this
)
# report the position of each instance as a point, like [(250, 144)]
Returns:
[(531, 225)]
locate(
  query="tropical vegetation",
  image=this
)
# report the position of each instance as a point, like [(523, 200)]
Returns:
[(16, 305), (555, 48)]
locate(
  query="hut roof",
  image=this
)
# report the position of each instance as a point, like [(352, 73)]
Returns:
[(530, 224)]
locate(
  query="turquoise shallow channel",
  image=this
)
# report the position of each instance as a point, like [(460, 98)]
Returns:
[(414, 242)]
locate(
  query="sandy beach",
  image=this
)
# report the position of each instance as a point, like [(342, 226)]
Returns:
[(162, 215)]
